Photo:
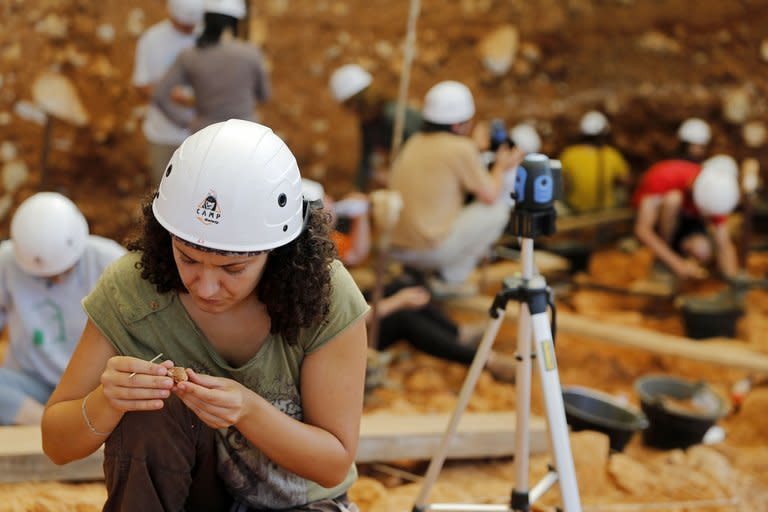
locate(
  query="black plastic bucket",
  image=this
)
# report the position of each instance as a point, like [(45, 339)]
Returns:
[(679, 411), (588, 409), (710, 317)]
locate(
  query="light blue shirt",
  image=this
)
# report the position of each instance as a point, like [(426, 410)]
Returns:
[(45, 320)]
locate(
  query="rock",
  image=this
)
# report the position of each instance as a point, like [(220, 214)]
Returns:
[(29, 112), (277, 7), (134, 23), (15, 174), (630, 475), (658, 42), (105, 33), (53, 26), (384, 49), (8, 151), (56, 95), (754, 134), (590, 457), (498, 49), (5, 205), (737, 105)]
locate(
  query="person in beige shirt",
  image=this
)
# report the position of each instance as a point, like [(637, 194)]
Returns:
[(436, 170)]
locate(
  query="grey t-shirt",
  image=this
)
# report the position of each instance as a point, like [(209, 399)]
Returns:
[(142, 323), (228, 80)]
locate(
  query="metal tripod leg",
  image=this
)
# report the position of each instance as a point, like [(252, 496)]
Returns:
[(478, 363), (532, 329)]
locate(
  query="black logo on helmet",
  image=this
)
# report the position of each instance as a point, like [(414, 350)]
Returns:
[(208, 211)]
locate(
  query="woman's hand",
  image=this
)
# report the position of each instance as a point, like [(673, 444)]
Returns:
[(145, 390), (218, 402), (690, 269)]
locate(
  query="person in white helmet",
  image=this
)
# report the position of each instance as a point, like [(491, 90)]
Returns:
[(682, 208), (595, 172), (694, 135), (435, 170), (49, 264), (156, 50), (352, 87), (227, 76), (233, 280)]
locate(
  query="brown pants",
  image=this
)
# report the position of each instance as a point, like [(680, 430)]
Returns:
[(165, 461)]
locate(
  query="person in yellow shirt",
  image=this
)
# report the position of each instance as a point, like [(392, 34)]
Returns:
[(595, 172)]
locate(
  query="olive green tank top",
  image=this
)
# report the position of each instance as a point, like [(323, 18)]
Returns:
[(141, 322)]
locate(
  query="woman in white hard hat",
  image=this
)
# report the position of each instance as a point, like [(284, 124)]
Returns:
[(227, 76), (352, 87), (682, 206), (595, 173), (46, 268), (233, 278), (694, 135), (434, 172)]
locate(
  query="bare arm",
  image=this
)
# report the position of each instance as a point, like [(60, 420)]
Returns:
[(645, 223), (163, 96), (506, 159), (727, 258), (323, 446), (360, 236), (96, 371), (413, 297)]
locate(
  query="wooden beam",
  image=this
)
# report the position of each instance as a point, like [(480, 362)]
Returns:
[(389, 437), (22, 459), (596, 219), (721, 351), (384, 437)]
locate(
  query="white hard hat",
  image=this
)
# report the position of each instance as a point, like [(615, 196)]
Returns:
[(448, 102), (716, 188), (349, 80), (694, 131), (593, 123), (49, 234), (232, 186), (234, 8), (186, 12), (525, 137)]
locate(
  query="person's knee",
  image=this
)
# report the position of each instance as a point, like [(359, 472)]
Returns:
[(698, 247)]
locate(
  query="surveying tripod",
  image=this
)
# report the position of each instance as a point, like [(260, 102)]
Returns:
[(537, 184)]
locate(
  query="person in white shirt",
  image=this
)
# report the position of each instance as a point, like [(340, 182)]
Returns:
[(50, 263), (156, 51)]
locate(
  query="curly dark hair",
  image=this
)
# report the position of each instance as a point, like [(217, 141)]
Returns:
[(295, 286)]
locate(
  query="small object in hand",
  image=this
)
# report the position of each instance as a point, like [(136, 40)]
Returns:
[(178, 374), (158, 356)]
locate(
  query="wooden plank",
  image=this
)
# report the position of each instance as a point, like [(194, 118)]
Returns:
[(389, 437), (721, 351), (383, 438), (590, 220), (22, 459)]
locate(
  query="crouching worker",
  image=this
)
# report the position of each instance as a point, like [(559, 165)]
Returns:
[(232, 278), (682, 207), (46, 268)]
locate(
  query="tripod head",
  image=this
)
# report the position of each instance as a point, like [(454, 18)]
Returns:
[(538, 184)]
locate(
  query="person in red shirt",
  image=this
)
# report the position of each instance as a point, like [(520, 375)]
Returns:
[(682, 208)]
